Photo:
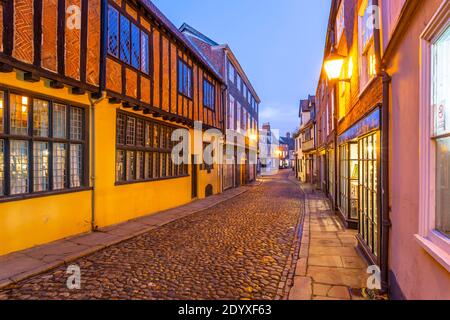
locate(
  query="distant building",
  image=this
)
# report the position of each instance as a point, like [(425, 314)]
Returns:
[(306, 160), (287, 149), (241, 108), (268, 151)]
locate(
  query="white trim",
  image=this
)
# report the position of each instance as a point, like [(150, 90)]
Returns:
[(436, 244)]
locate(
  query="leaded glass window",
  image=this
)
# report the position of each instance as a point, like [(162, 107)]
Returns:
[(19, 108), (144, 53), (40, 167), (125, 39), (59, 166), (59, 120), (40, 118), (135, 46), (113, 31), (18, 166), (76, 123)]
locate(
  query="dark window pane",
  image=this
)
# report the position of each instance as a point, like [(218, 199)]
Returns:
[(59, 120), (131, 131), (76, 123), (59, 166), (140, 167), (125, 39), (148, 165), (120, 165), (19, 166), (40, 118), (76, 165), (40, 166), (19, 107), (184, 79), (163, 137), (135, 46), (113, 32), (131, 165), (140, 136), (121, 119), (156, 136), (144, 53), (148, 134)]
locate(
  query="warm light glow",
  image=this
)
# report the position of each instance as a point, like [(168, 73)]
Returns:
[(1, 104), (334, 68), (350, 68), (25, 101), (253, 137)]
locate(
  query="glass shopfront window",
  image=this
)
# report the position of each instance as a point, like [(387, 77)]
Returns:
[(349, 182), (441, 135), (368, 192)]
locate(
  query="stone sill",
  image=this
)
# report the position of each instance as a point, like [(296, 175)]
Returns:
[(436, 252)]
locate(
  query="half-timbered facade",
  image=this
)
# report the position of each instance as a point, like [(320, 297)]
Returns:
[(90, 95)]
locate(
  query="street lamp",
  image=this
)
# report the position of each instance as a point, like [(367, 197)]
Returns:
[(333, 66)]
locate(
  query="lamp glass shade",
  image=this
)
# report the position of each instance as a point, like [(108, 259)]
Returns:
[(333, 67)]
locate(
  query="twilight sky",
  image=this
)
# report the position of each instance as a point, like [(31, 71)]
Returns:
[(278, 43)]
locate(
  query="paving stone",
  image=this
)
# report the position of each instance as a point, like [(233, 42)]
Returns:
[(337, 276), (339, 292), (302, 289), (301, 268), (326, 261), (326, 251), (321, 289)]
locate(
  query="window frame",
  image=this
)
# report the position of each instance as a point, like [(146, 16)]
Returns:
[(154, 152), (31, 138), (209, 95), (143, 31), (365, 78), (189, 94), (434, 242)]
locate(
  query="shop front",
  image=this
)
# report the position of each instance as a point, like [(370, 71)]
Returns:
[(359, 182)]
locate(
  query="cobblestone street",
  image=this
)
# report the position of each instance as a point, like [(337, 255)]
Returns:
[(239, 249)]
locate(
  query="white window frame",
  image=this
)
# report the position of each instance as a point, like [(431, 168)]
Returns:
[(435, 243), (365, 79)]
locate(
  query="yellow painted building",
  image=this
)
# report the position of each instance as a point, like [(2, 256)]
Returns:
[(86, 118)]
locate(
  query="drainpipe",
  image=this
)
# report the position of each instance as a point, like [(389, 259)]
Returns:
[(385, 208), (93, 103)]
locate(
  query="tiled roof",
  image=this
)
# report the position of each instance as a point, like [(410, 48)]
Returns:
[(177, 34)]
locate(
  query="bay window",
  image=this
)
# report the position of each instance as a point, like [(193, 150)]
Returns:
[(37, 149), (434, 231)]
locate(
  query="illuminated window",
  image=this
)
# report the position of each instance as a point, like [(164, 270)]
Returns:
[(366, 44), (38, 156)]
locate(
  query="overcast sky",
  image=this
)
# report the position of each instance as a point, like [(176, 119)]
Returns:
[(279, 43)]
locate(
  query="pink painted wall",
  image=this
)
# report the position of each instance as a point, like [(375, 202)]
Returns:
[(418, 274)]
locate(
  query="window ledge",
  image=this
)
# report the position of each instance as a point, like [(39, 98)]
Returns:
[(367, 86), (436, 252)]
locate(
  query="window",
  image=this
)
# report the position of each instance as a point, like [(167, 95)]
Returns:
[(239, 82), (434, 181), (238, 116), (113, 32), (230, 118), (38, 156), (127, 42), (349, 172), (135, 46), (144, 150), (340, 22), (125, 39), (366, 44), (144, 53), (368, 192), (209, 96), (184, 79), (207, 165), (231, 72)]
